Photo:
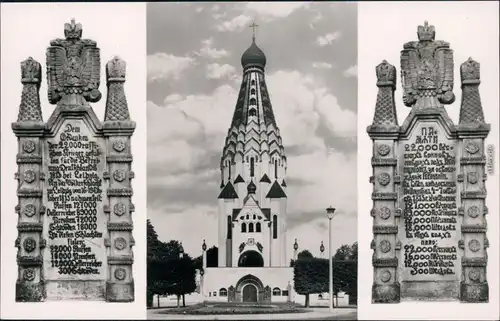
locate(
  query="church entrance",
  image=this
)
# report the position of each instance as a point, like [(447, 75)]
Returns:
[(249, 293), (249, 289), (251, 259)]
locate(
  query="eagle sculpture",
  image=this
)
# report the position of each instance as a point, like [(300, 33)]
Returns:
[(73, 66), (427, 69)]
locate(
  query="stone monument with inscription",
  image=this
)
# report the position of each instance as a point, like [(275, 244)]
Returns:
[(74, 171), (428, 178)]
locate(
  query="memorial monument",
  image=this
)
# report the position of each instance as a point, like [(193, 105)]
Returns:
[(429, 194), (253, 263), (75, 225)]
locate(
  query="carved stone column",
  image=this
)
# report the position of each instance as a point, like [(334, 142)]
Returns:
[(384, 134), (29, 130), (117, 129), (472, 130)]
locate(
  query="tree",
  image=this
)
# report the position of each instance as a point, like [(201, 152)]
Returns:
[(212, 258), (152, 247), (305, 254), (180, 277), (309, 276)]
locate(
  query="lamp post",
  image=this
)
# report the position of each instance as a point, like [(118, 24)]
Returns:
[(201, 282), (330, 211), (295, 248), (203, 266), (181, 250)]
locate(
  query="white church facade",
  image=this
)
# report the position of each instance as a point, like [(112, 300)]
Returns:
[(253, 261)]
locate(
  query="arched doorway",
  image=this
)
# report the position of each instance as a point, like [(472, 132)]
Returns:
[(249, 293), (251, 259), (249, 289)]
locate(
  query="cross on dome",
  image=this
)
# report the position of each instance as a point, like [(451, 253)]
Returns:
[(253, 26)]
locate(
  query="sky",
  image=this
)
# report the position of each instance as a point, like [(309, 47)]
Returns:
[(194, 74), (471, 28)]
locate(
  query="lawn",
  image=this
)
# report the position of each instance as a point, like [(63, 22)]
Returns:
[(217, 308)]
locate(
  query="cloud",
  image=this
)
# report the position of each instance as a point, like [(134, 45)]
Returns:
[(162, 66), (185, 139), (351, 71), (172, 98), (238, 23), (322, 65), (217, 71), (275, 9), (210, 52), (328, 39), (172, 225), (317, 18)]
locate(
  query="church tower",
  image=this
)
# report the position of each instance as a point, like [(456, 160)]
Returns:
[(252, 221)]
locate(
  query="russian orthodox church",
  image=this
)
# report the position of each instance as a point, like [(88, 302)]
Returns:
[(253, 265)]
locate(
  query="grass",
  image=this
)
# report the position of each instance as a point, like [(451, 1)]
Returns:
[(217, 308)]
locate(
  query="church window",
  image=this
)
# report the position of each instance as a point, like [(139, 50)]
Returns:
[(276, 292), (229, 227), (229, 165), (252, 82), (248, 216), (250, 227), (284, 293), (215, 293), (257, 227), (254, 216), (243, 227), (275, 226), (253, 101), (222, 292), (252, 167), (252, 112), (252, 91), (242, 217), (275, 170)]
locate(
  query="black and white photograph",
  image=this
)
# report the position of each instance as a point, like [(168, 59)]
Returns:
[(73, 125), (428, 161), (252, 189)]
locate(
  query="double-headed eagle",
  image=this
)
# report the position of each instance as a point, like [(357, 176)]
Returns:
[(73, 66), (427, 68)]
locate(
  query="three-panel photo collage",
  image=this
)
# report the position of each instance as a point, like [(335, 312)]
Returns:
[(250, 160)]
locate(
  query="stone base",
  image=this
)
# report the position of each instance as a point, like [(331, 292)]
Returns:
[(29, 292), (474, 293), (382, 293), (75, 290), (429, 290), (120, 292)]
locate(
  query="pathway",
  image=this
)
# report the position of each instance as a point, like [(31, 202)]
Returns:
[(315, 314)]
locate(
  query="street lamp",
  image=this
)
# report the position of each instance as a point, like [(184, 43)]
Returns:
[(295, 248), (202, 271), (330, 211), (322, 249), (181, 250)]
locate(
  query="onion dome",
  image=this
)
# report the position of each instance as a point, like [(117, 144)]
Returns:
[(251, 188), (253, 56)]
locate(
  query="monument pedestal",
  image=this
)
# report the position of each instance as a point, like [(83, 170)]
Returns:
[(428, 176), (76, 173), (382, 293), (474, 293)]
